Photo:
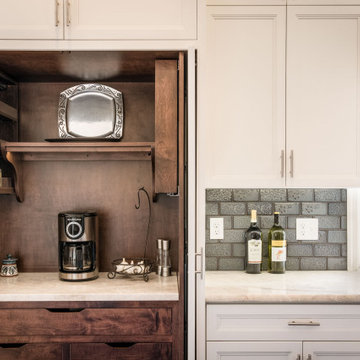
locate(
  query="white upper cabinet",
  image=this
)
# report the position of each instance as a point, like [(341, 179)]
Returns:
[(130, 19), (98, 20), (244, 126), (31, 19), (323, 128)]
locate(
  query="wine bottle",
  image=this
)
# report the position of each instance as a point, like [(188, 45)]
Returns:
[(277, 247), (253, 246)]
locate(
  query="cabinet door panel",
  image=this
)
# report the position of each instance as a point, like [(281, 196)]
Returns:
[(332, 350), (130, 19), (245, 96), (31, 19), (253, 350), (323, 95)]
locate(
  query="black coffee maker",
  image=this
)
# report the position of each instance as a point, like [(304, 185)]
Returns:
[(78, 246)]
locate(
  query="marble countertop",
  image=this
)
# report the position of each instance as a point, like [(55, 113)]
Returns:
[(48, 287), (291, 287)]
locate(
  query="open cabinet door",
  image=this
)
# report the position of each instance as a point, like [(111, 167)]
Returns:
[(196, 248)]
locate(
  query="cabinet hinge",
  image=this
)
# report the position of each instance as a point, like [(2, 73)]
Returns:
[(175, 194)]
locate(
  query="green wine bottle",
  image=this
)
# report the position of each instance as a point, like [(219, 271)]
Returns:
[(277, 247), (253, 246)]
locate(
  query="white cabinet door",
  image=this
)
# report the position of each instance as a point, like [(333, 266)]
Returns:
[(323, 97), (253, 350), (331, 350), (244, 122), (31, 19), (130, 19)]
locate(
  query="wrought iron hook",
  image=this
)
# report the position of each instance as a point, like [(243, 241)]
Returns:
[(149, 218)]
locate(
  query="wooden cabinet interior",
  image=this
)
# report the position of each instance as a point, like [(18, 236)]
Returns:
[(56, 177), (51, 178)]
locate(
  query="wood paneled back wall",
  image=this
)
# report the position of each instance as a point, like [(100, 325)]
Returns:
[(28, 230)]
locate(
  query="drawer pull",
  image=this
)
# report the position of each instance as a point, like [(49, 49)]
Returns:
[(303, 323), (64, 310), (11, 346), (121, 345)]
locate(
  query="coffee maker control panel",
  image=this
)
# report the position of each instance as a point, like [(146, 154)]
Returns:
[(74, 227)]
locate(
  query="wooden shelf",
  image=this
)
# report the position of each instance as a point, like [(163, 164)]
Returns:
[(6, 190), (79, 150), (8, 111), (17, 152)]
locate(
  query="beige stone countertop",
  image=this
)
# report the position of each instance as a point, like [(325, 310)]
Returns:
[(292, 287), (48, 287)]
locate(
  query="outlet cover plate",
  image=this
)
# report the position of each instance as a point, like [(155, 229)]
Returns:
[(216, 228), (307, 229)]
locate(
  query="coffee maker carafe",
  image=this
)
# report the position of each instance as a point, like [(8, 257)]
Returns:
[(78, 246)]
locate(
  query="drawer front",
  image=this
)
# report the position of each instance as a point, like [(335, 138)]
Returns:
[(283, 322), (56, 322), (123, 351), (31, 352)]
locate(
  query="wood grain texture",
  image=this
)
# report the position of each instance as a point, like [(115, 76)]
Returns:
[(31, 352), (87, 322), (89, 66), (166, 126), (123, 351), (182, 205)]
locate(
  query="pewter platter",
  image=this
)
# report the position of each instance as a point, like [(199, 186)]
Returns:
[(90, 111)]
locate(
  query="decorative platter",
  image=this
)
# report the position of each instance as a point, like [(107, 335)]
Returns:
[(90, 111)]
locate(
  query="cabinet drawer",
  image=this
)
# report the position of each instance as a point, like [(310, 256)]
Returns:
[(31, 352), (285, 322), (123, 351), (64, 322)]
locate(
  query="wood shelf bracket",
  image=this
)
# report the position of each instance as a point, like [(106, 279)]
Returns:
[(15, 164)]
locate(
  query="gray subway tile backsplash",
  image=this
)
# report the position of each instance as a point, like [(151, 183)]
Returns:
[(234, 205)]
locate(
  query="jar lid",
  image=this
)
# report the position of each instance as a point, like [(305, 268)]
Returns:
[(9, 260)]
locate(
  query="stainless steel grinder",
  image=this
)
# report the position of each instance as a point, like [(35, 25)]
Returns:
[(78, 245)]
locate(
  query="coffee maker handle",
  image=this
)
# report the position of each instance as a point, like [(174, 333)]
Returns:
[(79, 258)]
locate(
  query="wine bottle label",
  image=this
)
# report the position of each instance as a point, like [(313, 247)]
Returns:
[(278, 254), (278, 242), (254, 251)]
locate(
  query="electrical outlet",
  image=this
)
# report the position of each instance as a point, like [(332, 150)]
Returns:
[(307, 229), (216, 228)]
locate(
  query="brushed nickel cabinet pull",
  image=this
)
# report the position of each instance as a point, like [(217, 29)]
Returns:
[(201, 263), (292, 163), (282, 163), (57, 20), (68, 12), (303, 323)]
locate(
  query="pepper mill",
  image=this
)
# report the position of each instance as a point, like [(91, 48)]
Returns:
[(159, 256), (166, 263)]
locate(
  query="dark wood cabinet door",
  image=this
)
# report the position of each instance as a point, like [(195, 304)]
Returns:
[(31, 352), (121, 351)]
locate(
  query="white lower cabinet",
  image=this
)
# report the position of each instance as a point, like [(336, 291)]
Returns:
[(254, 350), (346, 350), (288, 331)]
